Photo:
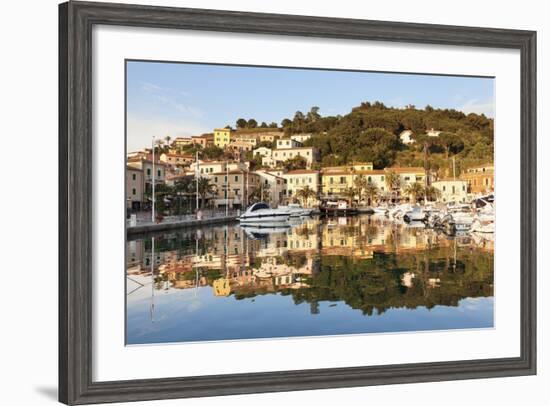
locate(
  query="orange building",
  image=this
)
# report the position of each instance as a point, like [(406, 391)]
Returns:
[(480, 178)]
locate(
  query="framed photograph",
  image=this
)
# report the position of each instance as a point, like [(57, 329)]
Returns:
[(259, 202)]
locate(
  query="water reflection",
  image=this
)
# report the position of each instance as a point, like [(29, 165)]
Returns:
[(320, 276)]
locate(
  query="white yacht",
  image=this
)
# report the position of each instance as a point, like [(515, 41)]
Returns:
[(264, 216), (415, 214), (296, 210)]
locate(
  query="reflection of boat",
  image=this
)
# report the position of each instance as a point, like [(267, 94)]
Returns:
[(257, 232), (380, 210), (264, 216), (479, 226), (337, 208)]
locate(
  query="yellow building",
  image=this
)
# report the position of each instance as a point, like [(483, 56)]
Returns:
[(481, 179), (222, 137), (452, 190), (234, 187), (336, 180), (299, 179)]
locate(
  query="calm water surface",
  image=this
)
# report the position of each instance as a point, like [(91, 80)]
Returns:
[(319, 277)]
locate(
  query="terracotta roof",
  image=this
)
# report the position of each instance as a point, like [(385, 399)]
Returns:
[(300, 171), (288, 149), (415, 169)]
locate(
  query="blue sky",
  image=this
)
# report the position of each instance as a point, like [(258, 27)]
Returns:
[(179, 99)]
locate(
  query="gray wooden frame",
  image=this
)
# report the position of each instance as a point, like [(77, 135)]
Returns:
[(76, 20)]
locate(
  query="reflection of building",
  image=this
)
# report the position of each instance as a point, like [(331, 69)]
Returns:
[(481, 179)]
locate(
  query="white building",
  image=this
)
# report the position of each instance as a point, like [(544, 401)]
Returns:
[(300, 137), (310, 154), (406, 137), (275, 184), (288, 143), (452, 190), (262, 151)]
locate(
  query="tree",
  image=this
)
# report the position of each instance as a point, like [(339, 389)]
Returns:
[(261, 193), (393, 182), (263, 125), (313, 114), (252, 123), (413, 190), (432, 193), (450, 143), (273, 125), (294, 163), (205, 188), (305, 194), (350, 194), (167, 139), (360, 183), (371, 192), (241, 123)]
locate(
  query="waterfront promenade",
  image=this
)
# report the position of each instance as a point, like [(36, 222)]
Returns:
[(144, 224)]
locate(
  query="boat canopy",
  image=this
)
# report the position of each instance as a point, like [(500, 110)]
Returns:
[(258, 206)]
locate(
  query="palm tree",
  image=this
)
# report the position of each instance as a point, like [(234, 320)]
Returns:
[(305, 194), (413, 190), (371, 191), (360, 183), (432, 193), (167, 139), (393, 182), (350, 194), (205, 187)]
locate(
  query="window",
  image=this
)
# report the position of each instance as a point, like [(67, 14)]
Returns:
[(133, 176), (134, 191), (331, 180), (369, 179), (236, 178), (309, 180), (453, 190), (382, 179), (443, 188), (342, 179), (148, 171), (407, 178), (158, 173)]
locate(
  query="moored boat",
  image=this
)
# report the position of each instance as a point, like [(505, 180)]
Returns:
[(261, 214), (338, 208)]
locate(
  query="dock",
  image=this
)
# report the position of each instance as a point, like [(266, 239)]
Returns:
[(150, 227)]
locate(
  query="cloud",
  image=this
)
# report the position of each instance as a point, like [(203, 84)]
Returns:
[(171, 98), (479, 107), (140, 130)]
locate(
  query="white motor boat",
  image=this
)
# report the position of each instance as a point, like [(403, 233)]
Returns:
[(264, 216), (416, 214), (296, 210)]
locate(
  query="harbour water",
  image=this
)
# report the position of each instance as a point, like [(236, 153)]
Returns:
[(320, 276)]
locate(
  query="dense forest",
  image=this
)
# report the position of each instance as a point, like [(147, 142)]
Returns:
[(370, 132)]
